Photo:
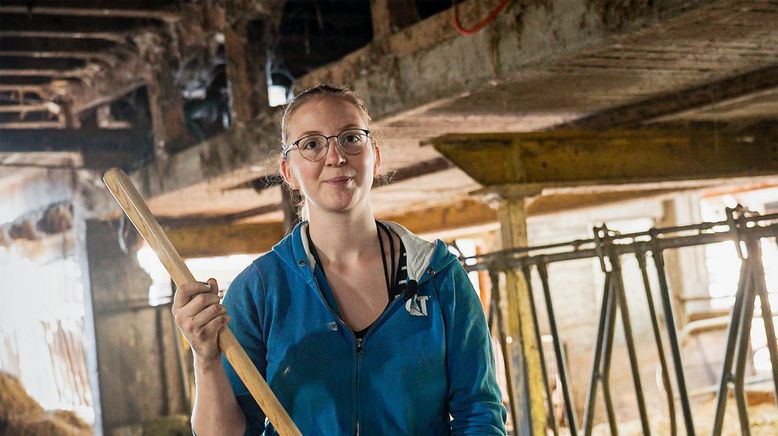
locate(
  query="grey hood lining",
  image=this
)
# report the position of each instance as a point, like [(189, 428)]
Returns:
[(418, 251)]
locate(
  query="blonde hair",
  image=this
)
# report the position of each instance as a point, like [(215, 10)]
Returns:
[(323, 90)]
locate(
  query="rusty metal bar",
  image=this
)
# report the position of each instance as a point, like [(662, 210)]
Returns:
[(605, 366), (621, 298), (543, 367), (596, 372), (672, 339), (744, 227), (726, 367), (498, 318), (564, 376), (650, 240), (667, 386)]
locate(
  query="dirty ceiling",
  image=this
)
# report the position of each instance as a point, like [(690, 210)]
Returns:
[(79, 82)]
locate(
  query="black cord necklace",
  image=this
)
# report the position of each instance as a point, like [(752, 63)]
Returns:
[(390, 274)]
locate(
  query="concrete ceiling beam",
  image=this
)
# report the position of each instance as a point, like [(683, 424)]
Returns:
[(664, 107)]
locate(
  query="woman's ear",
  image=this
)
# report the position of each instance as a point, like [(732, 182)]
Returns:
[(377, 163), (288, 175)]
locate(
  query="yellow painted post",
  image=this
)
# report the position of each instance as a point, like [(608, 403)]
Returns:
[(524, 369)]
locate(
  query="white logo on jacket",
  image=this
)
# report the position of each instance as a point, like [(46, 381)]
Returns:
[(417, 306)]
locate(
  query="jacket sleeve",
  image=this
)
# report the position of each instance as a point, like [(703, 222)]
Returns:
[(244, 301), (473, 395)]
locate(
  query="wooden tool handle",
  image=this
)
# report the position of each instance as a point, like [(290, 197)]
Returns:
[(138, 212)]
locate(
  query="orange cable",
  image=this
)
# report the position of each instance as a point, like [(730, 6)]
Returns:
[(485, 22)]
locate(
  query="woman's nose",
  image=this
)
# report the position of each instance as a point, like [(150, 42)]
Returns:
[(334, 154)]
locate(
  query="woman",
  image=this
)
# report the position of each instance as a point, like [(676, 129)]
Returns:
[(358, 326)]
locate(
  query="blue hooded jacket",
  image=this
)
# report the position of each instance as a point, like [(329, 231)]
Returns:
[(425, 367)]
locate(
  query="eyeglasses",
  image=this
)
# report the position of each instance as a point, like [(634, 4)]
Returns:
[(314, 147)]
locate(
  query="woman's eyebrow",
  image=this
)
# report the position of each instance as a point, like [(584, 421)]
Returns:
[(319, 132)]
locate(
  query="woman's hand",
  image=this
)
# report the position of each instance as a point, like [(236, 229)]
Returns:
[(199, 315)]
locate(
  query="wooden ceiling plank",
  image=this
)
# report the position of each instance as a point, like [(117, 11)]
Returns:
[(133, 10), (107, 36), (81, 55), (69, 140), (10, 108), (43, 72)]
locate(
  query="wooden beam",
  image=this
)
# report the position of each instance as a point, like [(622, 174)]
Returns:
[(55, 34), (127, 9), (40, 107), (22, 89), (566, 158), (216, 236), (466, 213), (27, 125), (44, 72), (391, 16), (167, 110), (245, 69), (51, 44), (224, 239), (80, 55), (40, 140)]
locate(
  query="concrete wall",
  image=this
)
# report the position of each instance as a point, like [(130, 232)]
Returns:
[(134, 343)]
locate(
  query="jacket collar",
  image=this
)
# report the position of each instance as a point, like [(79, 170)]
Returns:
[(424, 258)]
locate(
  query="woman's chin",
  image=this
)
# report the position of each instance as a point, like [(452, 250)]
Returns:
[(341, 204)]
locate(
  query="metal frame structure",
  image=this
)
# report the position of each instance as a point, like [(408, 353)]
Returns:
[(744, 227)]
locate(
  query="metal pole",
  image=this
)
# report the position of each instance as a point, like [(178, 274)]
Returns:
[(666, 385), (591, 392), (495, 306), (560, 357), (743, 339), (767, 318), (732, 334), (605, 368), (544, 370), (621, 297), (672, 338)]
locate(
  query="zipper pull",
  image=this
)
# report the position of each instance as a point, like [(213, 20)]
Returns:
[(359, 345)]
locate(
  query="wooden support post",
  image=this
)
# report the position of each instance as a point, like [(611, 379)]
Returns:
[(391, 16), (167, 111), (245, 66), (524, 365)]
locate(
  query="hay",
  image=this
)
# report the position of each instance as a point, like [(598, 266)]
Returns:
[(15, 403), (21, 415)]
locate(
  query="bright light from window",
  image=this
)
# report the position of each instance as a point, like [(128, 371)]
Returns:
[(276, 95)]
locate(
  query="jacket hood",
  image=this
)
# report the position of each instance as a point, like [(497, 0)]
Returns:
[(424, 258)]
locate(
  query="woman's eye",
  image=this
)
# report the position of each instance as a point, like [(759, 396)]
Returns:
[(310, 145), (350, 139)]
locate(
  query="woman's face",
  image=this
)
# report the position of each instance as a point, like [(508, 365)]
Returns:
[(338, 182)]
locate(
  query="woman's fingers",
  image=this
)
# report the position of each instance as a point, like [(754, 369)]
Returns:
[(203, 318), (197, 304), (186, 292), (198, 313)]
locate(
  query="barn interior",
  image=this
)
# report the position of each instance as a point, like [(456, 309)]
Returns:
[(632, 145)]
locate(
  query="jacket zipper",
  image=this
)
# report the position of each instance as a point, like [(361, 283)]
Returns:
[(356, 395), (358, 345)]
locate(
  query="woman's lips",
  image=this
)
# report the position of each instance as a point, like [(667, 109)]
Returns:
[(338, 180)]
